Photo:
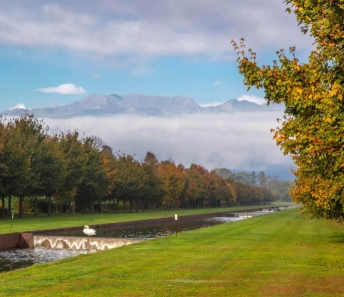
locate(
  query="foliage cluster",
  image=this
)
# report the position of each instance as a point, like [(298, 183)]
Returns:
[(312, 128), (79, 173)]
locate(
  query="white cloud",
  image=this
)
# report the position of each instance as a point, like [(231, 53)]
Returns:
[(19, 106), (132, 28), (257, 100), (96, 75), (217, 83), (63, 89), (236, 141)]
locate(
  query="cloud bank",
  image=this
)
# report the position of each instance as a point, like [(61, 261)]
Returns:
[(65, 89), (150, 28), (240, 141)]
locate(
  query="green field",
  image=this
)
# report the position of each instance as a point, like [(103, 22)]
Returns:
[(30, 223), (280, 254)]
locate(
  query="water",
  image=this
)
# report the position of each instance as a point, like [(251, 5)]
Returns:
[(143, 231), (20, 258)]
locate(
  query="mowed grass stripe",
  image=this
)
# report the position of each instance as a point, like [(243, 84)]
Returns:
[(280, 254)]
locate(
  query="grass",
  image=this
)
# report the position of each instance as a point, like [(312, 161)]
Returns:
[(280, 254), (42, 222)]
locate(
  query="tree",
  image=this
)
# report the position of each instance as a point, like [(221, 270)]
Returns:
[(154, 182), (23, 137), (94, 185), (3, 168), (108, 158), (53, 172), (74, 160), (130, 181), (173, 177), (280, 189), (219, 192), (262, 179), (312, 128), (197, 185)]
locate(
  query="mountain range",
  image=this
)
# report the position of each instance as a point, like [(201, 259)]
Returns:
[(98, 105)]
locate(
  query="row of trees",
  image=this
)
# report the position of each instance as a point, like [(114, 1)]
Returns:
[(280, 188), (78, 173)]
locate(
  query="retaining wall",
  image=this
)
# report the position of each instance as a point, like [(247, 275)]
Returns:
[(15, 240)]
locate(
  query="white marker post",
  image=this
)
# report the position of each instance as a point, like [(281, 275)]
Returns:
[(12, 219), (176, 219)]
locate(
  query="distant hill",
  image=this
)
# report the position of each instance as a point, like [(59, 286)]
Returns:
[(98, 105)]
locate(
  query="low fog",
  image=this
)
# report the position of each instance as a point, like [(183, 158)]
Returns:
[(237, 141)]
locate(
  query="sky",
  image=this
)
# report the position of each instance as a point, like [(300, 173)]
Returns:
[(56, 52), (53, 53)]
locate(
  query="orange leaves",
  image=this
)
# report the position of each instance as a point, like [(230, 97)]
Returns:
[(173, 180), (297, 67)]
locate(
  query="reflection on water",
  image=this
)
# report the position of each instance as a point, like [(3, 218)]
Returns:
[(144, 231), (20, 258)]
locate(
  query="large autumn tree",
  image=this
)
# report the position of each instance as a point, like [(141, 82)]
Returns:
[(312, 128)]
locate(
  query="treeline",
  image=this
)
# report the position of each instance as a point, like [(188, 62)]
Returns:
[(279, 188), (68, 172)]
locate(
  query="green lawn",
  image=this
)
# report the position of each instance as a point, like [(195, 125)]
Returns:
[(280, 254), (30, 223)]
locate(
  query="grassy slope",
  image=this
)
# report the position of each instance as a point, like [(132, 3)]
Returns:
[(281, 254), (43, 222)]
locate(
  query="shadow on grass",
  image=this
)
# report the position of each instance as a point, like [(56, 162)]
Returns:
[(336, 239)]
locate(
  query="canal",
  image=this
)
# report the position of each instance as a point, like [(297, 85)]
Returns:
[(12, 259)]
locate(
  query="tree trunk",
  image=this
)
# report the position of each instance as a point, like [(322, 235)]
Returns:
[(9, 204), (35, 207), (3, 206), (73, 205), (21, 198), (101, 205), (49, 204)]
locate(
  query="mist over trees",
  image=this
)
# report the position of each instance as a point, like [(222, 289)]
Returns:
[(67, 172), (279, 188)]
